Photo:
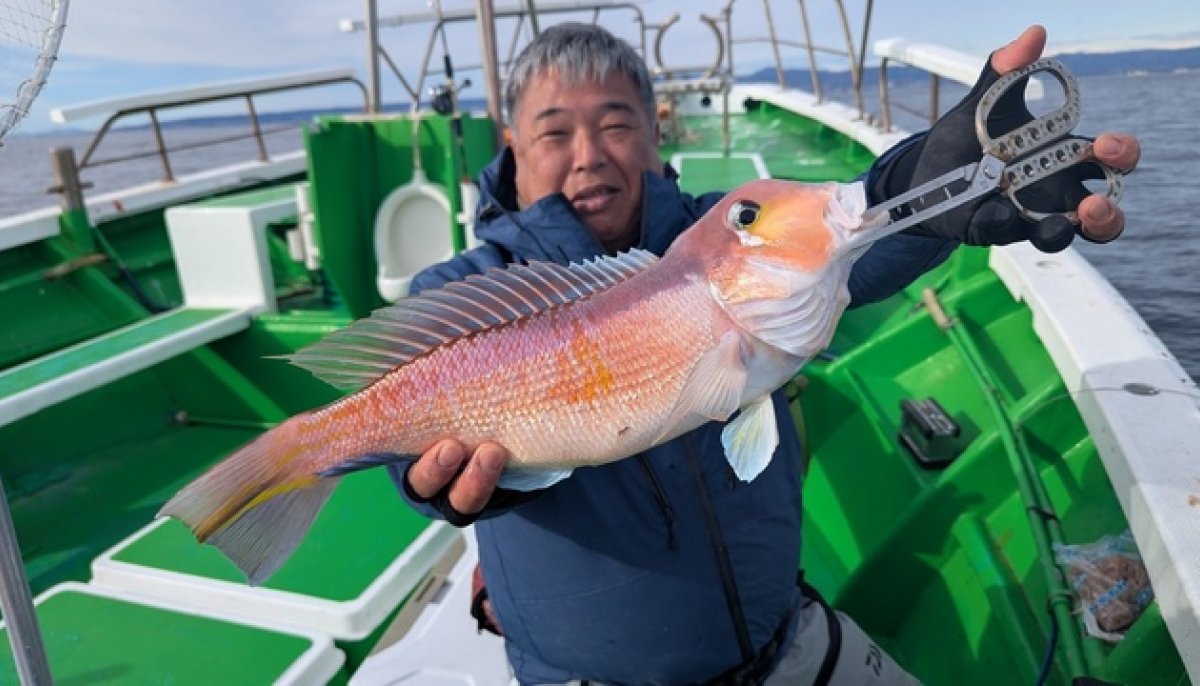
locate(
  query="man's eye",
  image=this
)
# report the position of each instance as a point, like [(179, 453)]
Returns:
[(743, 213)]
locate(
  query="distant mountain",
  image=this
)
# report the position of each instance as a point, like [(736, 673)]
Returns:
[(1081, 64)]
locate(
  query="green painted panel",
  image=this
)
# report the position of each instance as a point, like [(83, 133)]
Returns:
[(251, 198), (942, 566), (43, 314), (355, 164), (256, 353), (69, 509), (93, 640), (344, 552)]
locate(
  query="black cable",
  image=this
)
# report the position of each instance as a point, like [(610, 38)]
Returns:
[(1051, 646)]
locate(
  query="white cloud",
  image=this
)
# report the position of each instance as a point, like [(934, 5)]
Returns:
[(223, 33)]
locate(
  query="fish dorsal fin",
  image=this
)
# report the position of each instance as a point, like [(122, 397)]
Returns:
[(364, 351)]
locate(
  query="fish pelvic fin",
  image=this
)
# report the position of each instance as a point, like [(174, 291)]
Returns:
[(363, 352), (751, 438), (255, 506)]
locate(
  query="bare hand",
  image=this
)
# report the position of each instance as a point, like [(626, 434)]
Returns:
[(1102, 219), (471, 480)]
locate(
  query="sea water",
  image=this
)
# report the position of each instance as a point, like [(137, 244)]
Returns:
[(1154, 264)]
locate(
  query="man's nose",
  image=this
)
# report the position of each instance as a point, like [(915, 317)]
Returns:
[(589, 150)]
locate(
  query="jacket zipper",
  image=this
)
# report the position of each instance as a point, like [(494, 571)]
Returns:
[(664, 505)]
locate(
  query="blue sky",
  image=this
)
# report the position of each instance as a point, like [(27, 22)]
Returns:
[(122, 47)]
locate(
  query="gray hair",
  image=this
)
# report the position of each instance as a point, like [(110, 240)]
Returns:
[(578, 53)]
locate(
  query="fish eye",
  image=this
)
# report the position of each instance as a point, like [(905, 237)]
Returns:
[(743, 213)]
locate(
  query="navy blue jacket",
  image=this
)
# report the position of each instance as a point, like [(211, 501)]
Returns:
[(640, 571)]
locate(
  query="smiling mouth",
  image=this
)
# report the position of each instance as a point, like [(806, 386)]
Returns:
[(593, 198)]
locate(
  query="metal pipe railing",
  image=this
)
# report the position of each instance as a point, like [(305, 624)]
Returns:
[(524, 11), (485, 12), (162, 150), (886, 104)]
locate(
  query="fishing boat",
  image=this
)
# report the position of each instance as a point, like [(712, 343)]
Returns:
[(961, 433)]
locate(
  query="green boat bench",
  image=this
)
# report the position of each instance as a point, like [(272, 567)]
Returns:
[(72, 371), (221, 254)]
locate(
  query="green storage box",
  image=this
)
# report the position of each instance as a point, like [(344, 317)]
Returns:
[(94, 635), (364, 554)]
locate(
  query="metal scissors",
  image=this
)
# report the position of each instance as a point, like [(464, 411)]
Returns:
[(1012, 161)]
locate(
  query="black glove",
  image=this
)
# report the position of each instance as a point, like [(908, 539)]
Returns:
[(991, 219), (501, 499)]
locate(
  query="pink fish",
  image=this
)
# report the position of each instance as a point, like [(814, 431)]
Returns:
[(565, 366)]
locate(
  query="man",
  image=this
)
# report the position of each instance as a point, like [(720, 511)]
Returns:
[(662, 569)]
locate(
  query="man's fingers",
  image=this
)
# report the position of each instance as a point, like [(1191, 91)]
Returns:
[(1120, 151), (436, 468), (1021, 52), (477, 482), (1101, 218)]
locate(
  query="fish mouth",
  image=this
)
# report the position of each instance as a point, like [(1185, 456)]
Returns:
[(870, 231), (594, 198)]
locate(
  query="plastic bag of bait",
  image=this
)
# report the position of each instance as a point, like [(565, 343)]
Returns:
[(1111, 582)]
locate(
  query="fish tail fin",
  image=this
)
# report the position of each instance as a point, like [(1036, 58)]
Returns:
[(256, 505)]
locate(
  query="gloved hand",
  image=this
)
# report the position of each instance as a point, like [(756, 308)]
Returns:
[(458, 485), (993, 219)]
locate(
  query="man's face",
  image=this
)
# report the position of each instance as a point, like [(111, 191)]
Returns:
[(591, 141)]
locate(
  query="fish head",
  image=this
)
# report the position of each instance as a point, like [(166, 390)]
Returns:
[(801, 226), (786, 252)]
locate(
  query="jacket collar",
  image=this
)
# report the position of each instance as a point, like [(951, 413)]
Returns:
[(551, 230)]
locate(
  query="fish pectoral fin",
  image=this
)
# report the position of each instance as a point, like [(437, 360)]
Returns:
[(751, 438), (530, 478), (712, 391)]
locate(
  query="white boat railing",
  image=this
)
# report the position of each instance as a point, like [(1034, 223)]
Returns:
[(151, 104), (940, 63)]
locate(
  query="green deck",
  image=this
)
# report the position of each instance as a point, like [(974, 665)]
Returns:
[(790, 147)]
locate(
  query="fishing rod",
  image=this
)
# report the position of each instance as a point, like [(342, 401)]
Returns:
[(1043, 522), (446, 102)]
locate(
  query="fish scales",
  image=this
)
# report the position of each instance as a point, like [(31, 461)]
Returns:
[(584, 381)]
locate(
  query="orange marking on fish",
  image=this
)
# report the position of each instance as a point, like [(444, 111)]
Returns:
[(777, 225), (581, 375)]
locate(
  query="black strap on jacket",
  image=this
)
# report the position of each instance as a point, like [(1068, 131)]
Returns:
[(720, 551), (482, 621), (834, 649), (755, 670)]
